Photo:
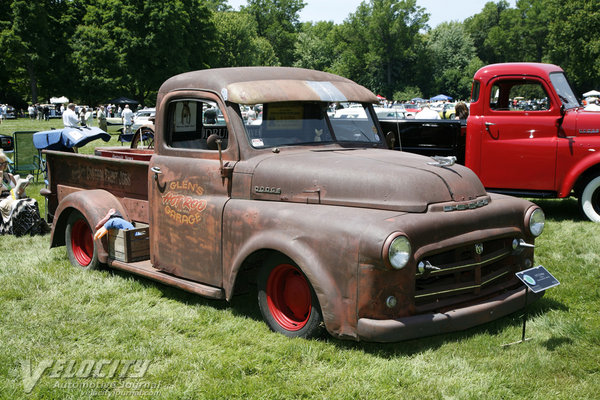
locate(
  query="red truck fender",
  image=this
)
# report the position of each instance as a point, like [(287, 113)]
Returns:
[(94, 205), (578, 175), (335, 318)]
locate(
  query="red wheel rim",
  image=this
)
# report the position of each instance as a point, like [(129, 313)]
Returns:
[(82, 242), (288, 297)]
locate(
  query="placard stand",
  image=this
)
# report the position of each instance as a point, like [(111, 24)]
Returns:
[(536, 279), (525, 315)]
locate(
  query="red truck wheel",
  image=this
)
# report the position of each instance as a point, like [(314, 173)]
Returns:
[(590, 200), (79, 239), (287, 301)]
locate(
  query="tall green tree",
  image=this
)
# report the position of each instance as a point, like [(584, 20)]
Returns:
[(479, 26), (521, 32), (25, 42), (454, 58), (129, 47), (379, 43), (278, 22), (574, 41), (238, 43), (315, 46)]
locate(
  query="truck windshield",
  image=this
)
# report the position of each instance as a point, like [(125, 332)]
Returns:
[(563, 89), (298, 123)]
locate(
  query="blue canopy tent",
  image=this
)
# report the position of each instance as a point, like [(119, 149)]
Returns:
[(441, 97), (67, 138)]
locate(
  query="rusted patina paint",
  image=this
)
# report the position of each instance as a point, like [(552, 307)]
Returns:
[(215, 217)]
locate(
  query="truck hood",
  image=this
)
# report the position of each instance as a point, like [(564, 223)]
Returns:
[(371, 178)]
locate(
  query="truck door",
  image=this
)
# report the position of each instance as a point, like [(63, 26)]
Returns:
[(519, 137), (187, 191)]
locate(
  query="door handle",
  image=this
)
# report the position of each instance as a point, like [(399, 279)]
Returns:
[(157, 172), (487, 128)]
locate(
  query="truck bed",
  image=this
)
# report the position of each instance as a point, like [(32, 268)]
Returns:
[(122, 172), (427, 137)]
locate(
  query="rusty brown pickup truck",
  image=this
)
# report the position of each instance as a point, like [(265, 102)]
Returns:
[(253, 180)]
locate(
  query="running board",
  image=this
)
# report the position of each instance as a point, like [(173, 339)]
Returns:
[(145, 269)]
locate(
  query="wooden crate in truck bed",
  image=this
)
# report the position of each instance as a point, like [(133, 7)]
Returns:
[(129, 245)]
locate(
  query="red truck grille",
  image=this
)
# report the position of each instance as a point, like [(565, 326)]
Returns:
[(465, 274)]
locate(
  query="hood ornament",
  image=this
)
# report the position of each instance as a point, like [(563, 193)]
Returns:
[(441, 161)]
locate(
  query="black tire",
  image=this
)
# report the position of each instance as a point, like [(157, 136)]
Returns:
[(81, 248), (589, 201), (287, 301)]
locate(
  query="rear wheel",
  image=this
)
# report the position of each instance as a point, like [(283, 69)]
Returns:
[(287, 301), (81, 249), (589, 201), (144, 137)]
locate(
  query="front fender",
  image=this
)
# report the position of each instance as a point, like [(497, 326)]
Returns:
[(337, 318), (94, 205), (572, 176), (324, 241)]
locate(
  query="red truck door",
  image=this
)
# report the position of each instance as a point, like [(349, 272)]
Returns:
[(519, 135), (187, 191)]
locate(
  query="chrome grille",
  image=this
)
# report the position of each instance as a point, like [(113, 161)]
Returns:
[(460, 275)]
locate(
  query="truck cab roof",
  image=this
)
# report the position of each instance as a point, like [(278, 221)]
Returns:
[(257, 85), (493, 70)]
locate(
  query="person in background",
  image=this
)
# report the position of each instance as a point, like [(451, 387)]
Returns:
[(101, 115), (89, 116), (69, 117), (461, 111), (427, 113), (127, 119), (19, 215), (81, 115)]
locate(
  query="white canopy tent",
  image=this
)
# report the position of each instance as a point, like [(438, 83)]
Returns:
[(59, 100), (594, 93)]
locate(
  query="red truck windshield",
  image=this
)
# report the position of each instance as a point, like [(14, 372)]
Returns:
[(563, 89), (297, 123)]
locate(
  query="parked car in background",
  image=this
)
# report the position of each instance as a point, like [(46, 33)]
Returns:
[(142, 128), (390, 113), (448, 111), (10, 112), (411, 110)]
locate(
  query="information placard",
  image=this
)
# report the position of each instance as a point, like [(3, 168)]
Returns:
[(537, 279)]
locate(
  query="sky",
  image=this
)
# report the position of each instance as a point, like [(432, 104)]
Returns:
[(338, 10)]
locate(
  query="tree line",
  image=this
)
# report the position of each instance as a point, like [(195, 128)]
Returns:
[(94, 50)]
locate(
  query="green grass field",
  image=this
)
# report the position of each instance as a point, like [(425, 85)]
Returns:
[(84, 323)]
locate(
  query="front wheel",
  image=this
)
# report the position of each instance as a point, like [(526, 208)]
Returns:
[(287, 301), (589, 201), (79, 238)]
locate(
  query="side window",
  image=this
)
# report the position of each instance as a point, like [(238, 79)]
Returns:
[(519, 96), (192, 121), (475, 91)]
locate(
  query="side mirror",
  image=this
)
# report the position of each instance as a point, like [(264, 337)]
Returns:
[(390, 138), (213, 142)]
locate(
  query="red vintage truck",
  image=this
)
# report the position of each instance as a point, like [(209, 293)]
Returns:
[(526, 135), (332, 228)]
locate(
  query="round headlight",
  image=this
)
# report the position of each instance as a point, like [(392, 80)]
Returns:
[(399, 252), (536, 222)]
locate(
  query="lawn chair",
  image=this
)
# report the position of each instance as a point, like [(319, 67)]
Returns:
[(27, 158)]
